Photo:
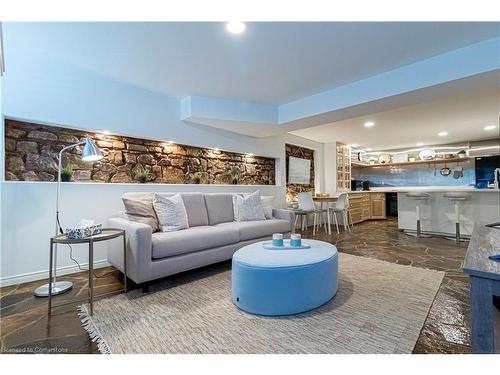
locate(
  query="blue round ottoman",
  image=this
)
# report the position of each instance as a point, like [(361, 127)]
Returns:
[(284, 282)]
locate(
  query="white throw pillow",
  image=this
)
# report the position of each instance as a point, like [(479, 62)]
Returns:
[(248, 207), (267, 205), (171, 212)]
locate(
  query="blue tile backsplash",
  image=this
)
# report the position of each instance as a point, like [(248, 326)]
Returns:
[(416, 175)]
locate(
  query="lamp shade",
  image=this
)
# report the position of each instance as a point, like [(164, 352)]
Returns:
[(90, 151)]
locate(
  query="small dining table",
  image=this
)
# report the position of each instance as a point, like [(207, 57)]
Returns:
[(323, 199)]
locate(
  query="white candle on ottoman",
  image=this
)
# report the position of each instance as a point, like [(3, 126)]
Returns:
[(295, 239), (277, 239)]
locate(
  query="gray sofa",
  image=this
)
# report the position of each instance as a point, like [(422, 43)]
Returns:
[(212, 237)]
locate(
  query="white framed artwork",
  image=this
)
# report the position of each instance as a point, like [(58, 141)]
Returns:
[(299, 171)]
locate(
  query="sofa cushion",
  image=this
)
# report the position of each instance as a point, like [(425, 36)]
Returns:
[(171, 212), (267, 205), (219, 208), (249, 230), (248, 208), (139, 208), (166, 244), (195, 208)]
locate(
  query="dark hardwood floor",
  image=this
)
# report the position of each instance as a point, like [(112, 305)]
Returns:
[(25, 327)]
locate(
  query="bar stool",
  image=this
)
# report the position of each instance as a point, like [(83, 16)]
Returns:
[(419, 196), (457, 197)]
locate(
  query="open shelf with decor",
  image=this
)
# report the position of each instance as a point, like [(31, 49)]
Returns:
[(433, 161)]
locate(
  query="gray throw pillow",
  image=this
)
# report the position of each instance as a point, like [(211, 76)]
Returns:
[(249, 207), (171, 212), (141, 210), (267, 205)]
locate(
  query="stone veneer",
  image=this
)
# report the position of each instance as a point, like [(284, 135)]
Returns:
[(31, 152), (293, 189)]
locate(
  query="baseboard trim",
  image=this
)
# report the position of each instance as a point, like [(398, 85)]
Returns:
[(41, 275)]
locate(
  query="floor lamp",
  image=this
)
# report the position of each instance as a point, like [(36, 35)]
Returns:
[(90, 153)]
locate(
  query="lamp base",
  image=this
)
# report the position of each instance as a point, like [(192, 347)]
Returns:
[(59, 287)]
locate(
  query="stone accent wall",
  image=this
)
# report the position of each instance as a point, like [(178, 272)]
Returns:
[(31, 152), (293, 189)]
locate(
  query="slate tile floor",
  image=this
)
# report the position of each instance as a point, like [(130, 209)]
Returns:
[(24, 326)]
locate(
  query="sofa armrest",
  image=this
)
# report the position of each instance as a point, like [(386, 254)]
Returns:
[(284, 214), (139, 255)]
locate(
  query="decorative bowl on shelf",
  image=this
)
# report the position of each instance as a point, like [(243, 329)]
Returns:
[(384, 158), (427, 154)]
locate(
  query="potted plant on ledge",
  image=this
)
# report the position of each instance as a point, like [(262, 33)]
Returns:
[(141, 175), (235, 176), (196, 177), (66, 173), (267, 180)]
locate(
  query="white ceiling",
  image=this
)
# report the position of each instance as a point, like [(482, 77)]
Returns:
[(269, 63), (476, 104)]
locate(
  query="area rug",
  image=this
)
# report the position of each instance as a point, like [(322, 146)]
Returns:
[(380, 307)]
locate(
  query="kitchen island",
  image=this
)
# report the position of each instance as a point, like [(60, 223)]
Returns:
[(438, 212)]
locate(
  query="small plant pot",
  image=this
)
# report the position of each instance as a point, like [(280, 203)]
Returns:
[(65, 178), (142, 180), (234, 182), (196, 181)]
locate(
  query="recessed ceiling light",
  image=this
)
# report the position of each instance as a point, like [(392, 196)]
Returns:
[(490, 127), (353, 145), (420, 144), (235, 27), (443, 134), (250, 155), (107, 132), (369, 149), (369, 124)]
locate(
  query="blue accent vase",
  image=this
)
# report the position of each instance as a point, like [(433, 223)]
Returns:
[(278, 242), (296, 243)]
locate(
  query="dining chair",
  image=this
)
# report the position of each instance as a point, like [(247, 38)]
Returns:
[(341, 206), (307, 205)]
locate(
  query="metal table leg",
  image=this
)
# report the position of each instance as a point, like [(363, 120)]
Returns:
[(91, 276), (51, 258)]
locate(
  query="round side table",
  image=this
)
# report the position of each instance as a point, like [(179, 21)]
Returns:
[(106, 234)]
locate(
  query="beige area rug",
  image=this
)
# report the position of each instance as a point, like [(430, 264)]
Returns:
[(380, 307)]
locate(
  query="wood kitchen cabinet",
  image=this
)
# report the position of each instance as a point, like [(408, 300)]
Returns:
[(366, 206), (377, 206)]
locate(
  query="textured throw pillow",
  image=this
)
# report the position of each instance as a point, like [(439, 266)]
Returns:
[(267, 205), (248, 207), (171, 212), (141, 210)]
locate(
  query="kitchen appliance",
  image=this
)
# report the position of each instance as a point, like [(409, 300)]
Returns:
[(485, 170), (354, 185), (366, 185), (391, 204)]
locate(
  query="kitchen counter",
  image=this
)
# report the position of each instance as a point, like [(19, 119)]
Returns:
[(427, 189), (484, 284)]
